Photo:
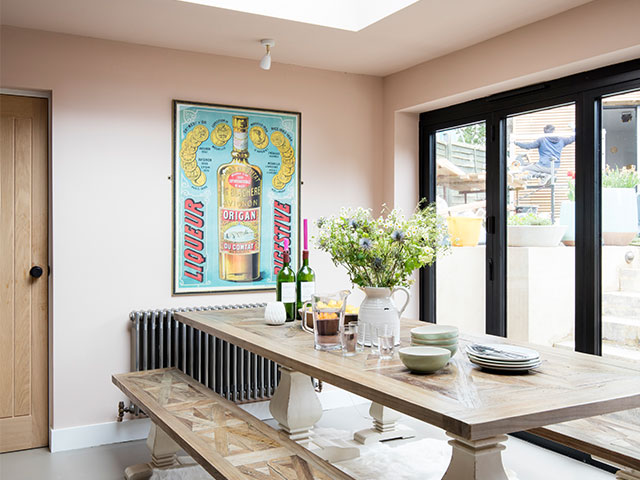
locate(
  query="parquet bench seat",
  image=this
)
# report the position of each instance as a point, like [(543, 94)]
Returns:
[(226, 441), (613, 439)]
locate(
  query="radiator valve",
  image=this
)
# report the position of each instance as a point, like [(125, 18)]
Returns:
[(122, 410)]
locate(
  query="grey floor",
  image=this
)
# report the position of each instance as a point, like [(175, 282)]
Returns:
[(108, 462)]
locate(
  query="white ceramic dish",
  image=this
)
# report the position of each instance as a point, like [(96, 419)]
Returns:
[(423, 359), (435, 343), (434, 332), (502, 362), (507, 369), (512, 353), (453, 348)]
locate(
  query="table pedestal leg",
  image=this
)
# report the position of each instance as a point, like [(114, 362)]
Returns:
[(296, 407), (476, 459), (385, 426), (163, 455)]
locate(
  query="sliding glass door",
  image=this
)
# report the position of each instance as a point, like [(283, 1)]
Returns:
[(528, 181), (461, 172), (540, 231), (620, 157)]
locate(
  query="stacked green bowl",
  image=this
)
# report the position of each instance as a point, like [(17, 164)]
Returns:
[(443, 336)]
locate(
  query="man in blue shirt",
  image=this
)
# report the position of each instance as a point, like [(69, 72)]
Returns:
[(549, 149)]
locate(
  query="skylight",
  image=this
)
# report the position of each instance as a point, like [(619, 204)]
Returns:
[(353, 15)]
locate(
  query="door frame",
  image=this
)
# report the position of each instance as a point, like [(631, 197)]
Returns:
[(583, 90), (46, 94)]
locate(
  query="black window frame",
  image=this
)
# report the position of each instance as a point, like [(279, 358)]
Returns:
[(585, 91)]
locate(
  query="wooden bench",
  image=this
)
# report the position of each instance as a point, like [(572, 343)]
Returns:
[(613, 439), (226, 441)]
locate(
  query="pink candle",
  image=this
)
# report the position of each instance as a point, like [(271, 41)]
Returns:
[(286, 244), (305, 234)]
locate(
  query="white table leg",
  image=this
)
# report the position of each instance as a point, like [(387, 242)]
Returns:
[(163, 455), (476, 459), (296, 407), (385, 426)]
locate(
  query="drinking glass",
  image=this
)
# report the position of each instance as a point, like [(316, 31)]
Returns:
[(328, 319), (349, 338), (386, 341), (365, 336)]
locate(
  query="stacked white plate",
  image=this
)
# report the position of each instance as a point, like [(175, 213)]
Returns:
[(497, 356)]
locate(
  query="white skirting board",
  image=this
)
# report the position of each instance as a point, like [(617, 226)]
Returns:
[(85, 436)]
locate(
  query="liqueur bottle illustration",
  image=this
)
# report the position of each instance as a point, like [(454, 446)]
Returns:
[(239, 208)]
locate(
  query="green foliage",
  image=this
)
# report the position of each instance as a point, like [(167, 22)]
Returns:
[(532, 219), (475, 134), (571, 196), (383, 252), (620, 178)]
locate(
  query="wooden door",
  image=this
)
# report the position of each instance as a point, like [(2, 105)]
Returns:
[(23, 294)]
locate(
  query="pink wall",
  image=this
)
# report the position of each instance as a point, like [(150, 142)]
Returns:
[(112, 199), (111, 158), (600, 33)]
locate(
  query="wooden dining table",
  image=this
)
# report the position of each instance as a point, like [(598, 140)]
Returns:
[(476, 408)]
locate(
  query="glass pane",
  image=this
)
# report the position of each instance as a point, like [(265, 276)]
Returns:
[(621, 245), (461, 194), (540, 227)]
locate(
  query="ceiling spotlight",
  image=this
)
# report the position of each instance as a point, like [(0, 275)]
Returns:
[(265, 63)]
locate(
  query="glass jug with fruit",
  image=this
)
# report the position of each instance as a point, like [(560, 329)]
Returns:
[(328, 318)]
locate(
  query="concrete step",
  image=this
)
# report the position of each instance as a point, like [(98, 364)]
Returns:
[(621, 330), (609, 350), (629, 279), (621, 304)]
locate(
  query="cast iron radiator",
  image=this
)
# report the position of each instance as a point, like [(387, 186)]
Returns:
[(159, 340)]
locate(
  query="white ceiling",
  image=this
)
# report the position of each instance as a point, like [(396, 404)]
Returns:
[(419, 32)]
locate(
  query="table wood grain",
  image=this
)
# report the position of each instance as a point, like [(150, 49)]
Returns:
[(460, 398)]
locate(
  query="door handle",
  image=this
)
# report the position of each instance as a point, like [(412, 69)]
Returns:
[(36, 271)]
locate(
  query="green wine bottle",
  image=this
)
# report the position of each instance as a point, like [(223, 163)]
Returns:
[(305, 281), (286, 286)]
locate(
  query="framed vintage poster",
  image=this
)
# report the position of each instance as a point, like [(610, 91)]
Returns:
[(236, 196)]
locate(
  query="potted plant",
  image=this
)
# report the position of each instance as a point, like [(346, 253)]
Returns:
[(381, 254), (533, 230), (568, 212), (619, 206)]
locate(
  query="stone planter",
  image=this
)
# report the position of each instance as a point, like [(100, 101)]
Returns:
[(619, 215), (535, 235), (568, 218)]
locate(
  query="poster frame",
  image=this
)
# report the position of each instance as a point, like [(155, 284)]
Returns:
[(175, 176)]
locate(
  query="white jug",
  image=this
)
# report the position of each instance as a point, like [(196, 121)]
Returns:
[(378, 309)]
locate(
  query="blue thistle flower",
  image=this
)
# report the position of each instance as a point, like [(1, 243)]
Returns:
[(320, 222), (365, 243), (397, 236), (377, 263), (353, 224)]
